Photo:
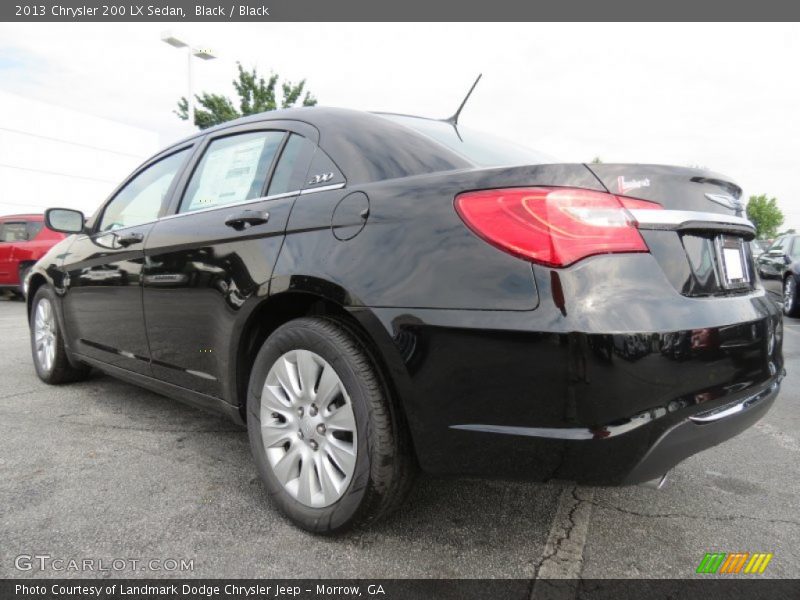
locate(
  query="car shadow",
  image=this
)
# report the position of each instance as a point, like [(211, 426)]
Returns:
[(476, 527)]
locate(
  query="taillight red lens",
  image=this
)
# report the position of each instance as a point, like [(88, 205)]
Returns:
[(553, 226)]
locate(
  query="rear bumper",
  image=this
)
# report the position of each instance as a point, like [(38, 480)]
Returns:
[(602, 394), (702, 431), (629, 450)]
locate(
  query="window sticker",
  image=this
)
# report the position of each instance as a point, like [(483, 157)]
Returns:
[(227, 173)]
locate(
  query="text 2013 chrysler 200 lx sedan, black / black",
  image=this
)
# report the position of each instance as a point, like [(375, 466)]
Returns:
[(371, 293)]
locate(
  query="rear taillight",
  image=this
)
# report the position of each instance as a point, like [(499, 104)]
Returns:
[(553, 226)]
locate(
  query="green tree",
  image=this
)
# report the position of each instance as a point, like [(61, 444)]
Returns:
[(255, 95), (765, 215), (597, 161)]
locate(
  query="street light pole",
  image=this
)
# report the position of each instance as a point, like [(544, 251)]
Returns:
[(202, 53), (190, 97)]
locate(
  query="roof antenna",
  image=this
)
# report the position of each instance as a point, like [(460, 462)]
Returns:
[(454, 119)]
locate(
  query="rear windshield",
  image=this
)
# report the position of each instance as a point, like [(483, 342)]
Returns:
[(482, 149)]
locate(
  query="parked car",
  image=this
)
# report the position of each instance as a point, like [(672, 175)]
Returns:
[(758, 247), (779, 268), (24, 239), (371, 293)]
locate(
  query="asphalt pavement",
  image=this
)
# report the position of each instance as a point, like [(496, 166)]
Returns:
[(103, 470)]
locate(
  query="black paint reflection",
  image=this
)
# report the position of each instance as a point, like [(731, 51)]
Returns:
[(201, 280), (103, 299)]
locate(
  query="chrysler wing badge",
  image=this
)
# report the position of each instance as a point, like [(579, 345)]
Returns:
[(727, 201)]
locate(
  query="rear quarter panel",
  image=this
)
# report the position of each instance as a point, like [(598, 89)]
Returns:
[(474, 336), (414, 250)]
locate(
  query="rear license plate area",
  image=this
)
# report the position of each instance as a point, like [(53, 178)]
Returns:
[(734, 263)]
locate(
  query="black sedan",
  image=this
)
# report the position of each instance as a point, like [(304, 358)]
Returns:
[(779, 268), (374, 293)]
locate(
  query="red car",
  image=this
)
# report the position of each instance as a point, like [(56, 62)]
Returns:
[(24, 239)]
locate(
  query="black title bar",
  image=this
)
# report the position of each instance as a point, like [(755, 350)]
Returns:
[(395, 10)]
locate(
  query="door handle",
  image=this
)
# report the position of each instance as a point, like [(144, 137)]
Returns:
[(128, 239), (246, 218)]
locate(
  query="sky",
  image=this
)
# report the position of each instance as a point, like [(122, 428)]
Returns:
[(721, 96)]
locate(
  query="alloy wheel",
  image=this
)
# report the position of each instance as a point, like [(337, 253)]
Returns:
[(44, 331), (308, 428), (789, 291)]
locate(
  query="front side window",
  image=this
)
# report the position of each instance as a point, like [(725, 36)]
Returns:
[(233, 169), (14, 232), (141, 200)]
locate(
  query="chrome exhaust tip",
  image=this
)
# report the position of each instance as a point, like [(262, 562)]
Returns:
[(655, 484)]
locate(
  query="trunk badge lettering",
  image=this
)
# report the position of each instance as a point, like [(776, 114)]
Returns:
[(631, 184), (727, 201)]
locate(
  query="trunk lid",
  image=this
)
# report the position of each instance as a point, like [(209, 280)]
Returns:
[(675, 188), (699, 239)]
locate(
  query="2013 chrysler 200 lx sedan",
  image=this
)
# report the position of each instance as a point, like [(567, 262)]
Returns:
[(371, 293)]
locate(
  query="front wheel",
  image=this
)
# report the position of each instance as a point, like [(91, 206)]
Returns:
[(790, 303), (329, 445), (47, 342)]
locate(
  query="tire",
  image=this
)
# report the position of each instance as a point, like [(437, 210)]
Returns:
[(47, 342), (354, 454), (791, 306)]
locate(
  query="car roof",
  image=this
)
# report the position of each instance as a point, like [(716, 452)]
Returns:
[(25, 216), (318, 116), (366, 146)]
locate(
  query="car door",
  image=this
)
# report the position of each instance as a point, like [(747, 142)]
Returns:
[(3, 256), (12, 232), (771, 265), (209, 262), (102, 303)]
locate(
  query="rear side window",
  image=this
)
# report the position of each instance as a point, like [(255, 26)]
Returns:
[(14, 231), (322, 172), (292, 166), (233, 169), (141, 199)]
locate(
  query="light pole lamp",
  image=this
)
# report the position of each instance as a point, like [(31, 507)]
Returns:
[(201, 53)]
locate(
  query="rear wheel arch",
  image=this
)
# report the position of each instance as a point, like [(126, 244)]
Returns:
[(324, 482), (287, 306)]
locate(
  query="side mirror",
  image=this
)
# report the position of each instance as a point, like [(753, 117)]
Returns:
[(65, 220)]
